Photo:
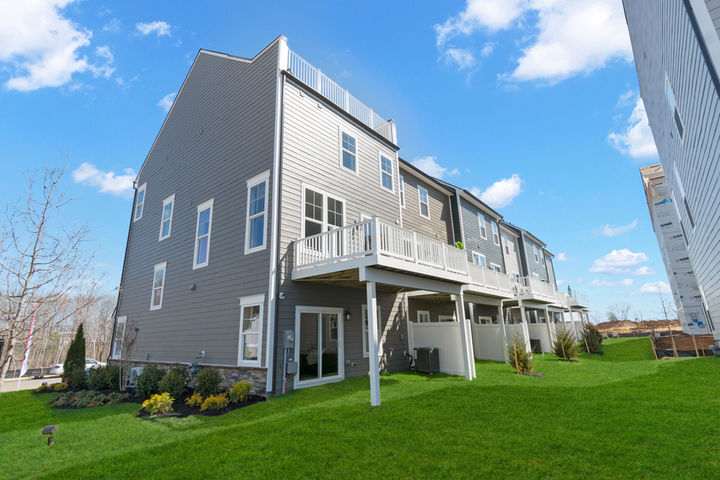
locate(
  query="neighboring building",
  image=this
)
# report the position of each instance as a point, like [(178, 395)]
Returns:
[(676, 46), (666, 223), (277, 236)]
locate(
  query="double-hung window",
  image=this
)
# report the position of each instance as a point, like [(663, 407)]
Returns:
[(496, 267), (386, 173), (496, 236), (479, 259), (158, 286), (140, 201), (256, 224), (203, 231), (483, 227), (424, 202), (536, 254), (401, 186), (366, 332), (251, 314), (166, 219), (322, 212), (506, 242), (349, 152), (423, 316)]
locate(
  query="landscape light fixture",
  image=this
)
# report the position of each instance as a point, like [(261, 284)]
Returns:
[(50, 430)]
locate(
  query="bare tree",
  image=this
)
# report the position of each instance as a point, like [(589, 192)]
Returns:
[(619, 311), (42, 263)]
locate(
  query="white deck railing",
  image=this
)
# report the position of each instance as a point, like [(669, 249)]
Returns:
[(377, 237), (491, 279), (538, 288), (325, 86)]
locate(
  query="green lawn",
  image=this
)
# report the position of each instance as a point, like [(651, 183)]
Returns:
[(621, 415)]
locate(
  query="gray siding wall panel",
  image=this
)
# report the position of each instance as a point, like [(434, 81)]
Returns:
[(218, 135), (533, 266), (439, 226), (474, 241)]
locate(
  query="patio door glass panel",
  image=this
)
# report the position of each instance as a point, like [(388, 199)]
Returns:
[(309, 346), (329, 347), (319, 344)]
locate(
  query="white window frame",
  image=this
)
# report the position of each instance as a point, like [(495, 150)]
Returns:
[(421, 313), (143, 190), (211, 205), (119, 339), (446, 318), (300, 309), (495, 232), (506, 244), (160, 266), (401, 188), (384, 173), (421, 203), (542, 259), (251, 301), (324, 224), (479, 255), (169, 200), (536, 275), (342, 149), (484, 320), (365, 331), (496, 267), (482, 226), (536, 254), (256, 180)]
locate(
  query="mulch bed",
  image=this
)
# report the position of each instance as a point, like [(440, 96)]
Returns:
[(180, 409)]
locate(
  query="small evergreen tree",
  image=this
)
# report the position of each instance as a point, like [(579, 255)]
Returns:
[(592, 338), (565, 345), (74, 366), (520, 359)]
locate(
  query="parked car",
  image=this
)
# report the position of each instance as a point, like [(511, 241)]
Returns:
[(90, 364)]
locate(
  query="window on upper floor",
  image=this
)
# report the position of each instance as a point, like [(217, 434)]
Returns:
[(401, 187), (542, 258), (166, 219), (139, 201), (322, 212), (496, 236), (536, 254), (483, 227), (423, 316), (366, 334), (251, 314), (506, 244), (496, 267), (158, 286), (203, 231), (479, 259), (256, 224), (349, 152), (424, 202), (672, 103), (386, 173)]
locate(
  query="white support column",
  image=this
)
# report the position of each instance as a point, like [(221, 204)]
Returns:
[(471, 311), (523, 323), (501, 319), (549, 328), (465, 344), (373, 345)]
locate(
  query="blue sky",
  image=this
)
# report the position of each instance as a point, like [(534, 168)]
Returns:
[(533, 104)]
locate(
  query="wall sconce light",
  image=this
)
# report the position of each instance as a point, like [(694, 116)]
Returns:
[(347, 314)]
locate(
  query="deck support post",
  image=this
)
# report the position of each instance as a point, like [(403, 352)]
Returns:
[(465, 337), (501, 319), (373, 344), (524, 325), (549, 328)]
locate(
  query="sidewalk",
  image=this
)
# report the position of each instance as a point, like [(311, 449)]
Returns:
[(11, 384)]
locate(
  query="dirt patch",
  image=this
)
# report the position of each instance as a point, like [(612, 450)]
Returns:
[(624, 327), (684, 342)]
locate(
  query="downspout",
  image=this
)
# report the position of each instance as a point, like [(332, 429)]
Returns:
[(273, 280)]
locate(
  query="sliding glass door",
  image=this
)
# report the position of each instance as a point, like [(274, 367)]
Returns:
[(319, 347)]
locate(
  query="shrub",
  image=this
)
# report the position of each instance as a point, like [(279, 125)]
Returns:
[(148, 380), (88, 398), (565, 346), (208, 382), (159, 404), (59, 387), (239, 392), (520, 358), (215, 402), (175, 382), (194, 400), (75, 360), (44, 388), (592, 338), (97, 379)]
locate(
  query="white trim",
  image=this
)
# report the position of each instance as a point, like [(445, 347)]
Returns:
[(423, 312), (170, 200), (420, 202), (482, 225), (324, 225), (493, 265), (365, 330), (383, 172), (536, 254), (203, 206), (480, 255), (142, 189), (251, 301), (256, 180), (495, 232), (446, 318), (401, 188), (299, 309), (117, 345), (160, 266), (341, 149), (484, 320)]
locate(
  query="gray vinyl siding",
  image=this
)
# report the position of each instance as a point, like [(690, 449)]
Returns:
[(435, 308), (439, 225), (512, 259), (550, 270), (533, 266), (664, 40), (311, 157), (218, 135), (714, 10), (474, 241)]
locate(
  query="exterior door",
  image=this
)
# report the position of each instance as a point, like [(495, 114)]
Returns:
[(319, 351)]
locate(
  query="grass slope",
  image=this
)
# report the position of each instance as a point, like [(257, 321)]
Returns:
[(621, 415)]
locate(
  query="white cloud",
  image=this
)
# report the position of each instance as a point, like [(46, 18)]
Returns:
[(610, 231), (644, 271), (159, 28), (618, 261), (636, 140), (569, 37), (461, 57), (41, 46), (166, 102), (430, 166), (561, 257), (106, 182), (625, 282), (652, 288), (487, 49), (113, 26), (104, 70), (501, 193)]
